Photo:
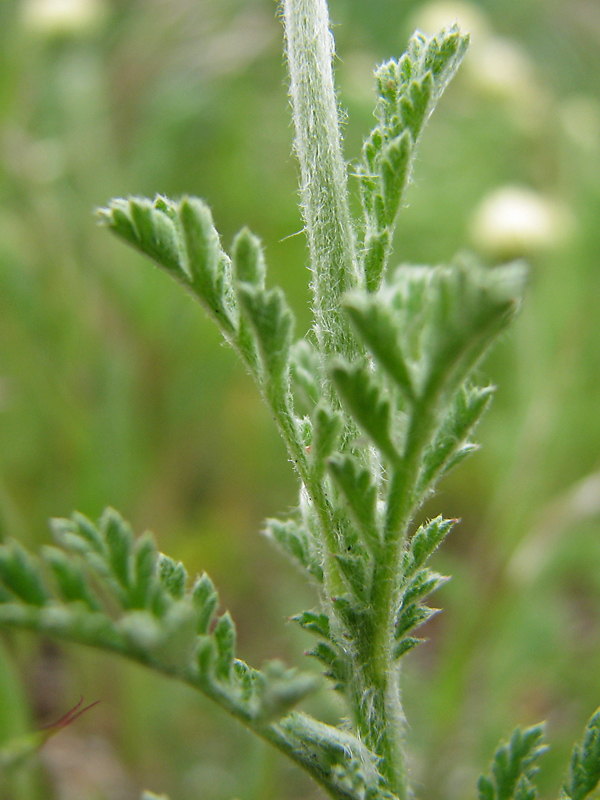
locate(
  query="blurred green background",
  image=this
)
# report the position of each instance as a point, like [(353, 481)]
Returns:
[(114, 388)]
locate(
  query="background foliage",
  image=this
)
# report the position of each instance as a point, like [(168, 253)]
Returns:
[(114, 389)]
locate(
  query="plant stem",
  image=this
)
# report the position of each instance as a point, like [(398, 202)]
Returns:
[(323, 184)]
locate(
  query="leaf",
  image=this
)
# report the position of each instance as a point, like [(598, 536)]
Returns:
[(206, 601), (145, 567), (20, 573), (225, 638), (172, 576), (80, 536), (360, 492), (367, 403), (119, 541), (305, 373), (297, 543), (343, 761), (584, 769), (412, 616), (248, 259), (425, 582), (84, 529), (326, 430), (380, 333), (273, 324), (356, 570), (336, 666), (315, 622), (407, 90), (513, 767), (395, 161), (469, 306), (450, 445), (405, 645), (414, 104), (375, 248), (207, 264), (146, 226), (70, 578), (426, 541), (181, 238)]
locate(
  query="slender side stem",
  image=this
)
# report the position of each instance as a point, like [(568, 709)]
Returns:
[(284, 418), (323, 188)]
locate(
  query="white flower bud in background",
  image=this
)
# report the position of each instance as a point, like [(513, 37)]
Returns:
[(501, 69), (63, 17), (432, 17), (514, 221)]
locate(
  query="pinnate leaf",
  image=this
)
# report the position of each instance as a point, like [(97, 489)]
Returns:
[(273, 324), (514, 766), (360, 492), (584, 770), (368, 404)]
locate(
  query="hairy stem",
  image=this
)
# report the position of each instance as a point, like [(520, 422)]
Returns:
[(323, 178)]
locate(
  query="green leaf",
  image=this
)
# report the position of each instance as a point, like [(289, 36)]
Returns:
[(70, 578), (367, 403), (411, 617), (360, 492), (414, 104), (425, 582), (356, 570), (405, 645), (297, 543), (426, 541), (315, 622), (305, 373), (146, 226), (375, 249), (85, 529), (337, 667), (342, 759), (379, 331), (584, 769), (119, 541), (450, 445), (225, 638), (172, 576), (248, 259), (326, 430), (273, 324), (21, 575), (485, 789), (206, 602), (395, 164), (207, 265), (513, 767), (469, 306), (145, 561), (407, 93)]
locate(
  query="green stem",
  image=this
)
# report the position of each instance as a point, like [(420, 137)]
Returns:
[(282, 411), (381, 669), (323, 188)]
